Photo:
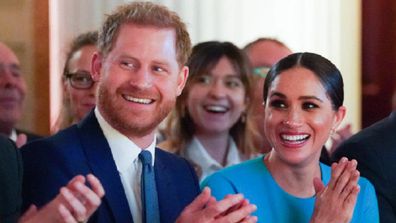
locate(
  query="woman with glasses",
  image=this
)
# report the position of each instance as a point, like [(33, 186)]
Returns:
[(79, 89)]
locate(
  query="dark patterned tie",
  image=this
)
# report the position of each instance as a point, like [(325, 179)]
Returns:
[(150, 210)]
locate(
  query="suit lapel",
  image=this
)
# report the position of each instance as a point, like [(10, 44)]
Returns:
[(167, 196), (101, 161)]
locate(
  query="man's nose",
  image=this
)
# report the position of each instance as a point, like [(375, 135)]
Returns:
[(7, 78), (142, 78)]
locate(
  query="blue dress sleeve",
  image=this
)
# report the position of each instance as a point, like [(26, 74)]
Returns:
[(370, 209), (220, 186)]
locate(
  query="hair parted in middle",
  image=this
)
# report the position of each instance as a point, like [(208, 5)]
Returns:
[(180, 127), (327, 73)]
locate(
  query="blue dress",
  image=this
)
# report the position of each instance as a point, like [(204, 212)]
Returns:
[(253, 179)]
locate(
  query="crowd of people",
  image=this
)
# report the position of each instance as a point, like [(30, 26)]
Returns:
[(240, 144)]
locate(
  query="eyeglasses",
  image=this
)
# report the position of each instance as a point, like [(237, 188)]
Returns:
[(80, 80), (261, 71)]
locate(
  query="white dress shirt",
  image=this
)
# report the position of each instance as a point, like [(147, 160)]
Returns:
[(13, 135), (125, 154), (196, 153)]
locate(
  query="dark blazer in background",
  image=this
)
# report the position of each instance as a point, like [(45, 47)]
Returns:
[(10, 181), (30, 136), (375, 150), (51, 162)]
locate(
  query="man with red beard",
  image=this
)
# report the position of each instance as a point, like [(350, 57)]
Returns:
[(12, 95), (140, 71)]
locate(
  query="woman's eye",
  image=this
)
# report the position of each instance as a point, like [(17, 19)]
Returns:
[(278, 104), (233, 83), (82, 78), (309, 106), (204, 79)]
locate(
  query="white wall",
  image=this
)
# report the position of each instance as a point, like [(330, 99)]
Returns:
[(328, 27)]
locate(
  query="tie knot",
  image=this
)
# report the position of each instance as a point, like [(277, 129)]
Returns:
[(145, 157)]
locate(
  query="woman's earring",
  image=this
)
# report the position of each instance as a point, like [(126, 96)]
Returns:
[(243, 117), (332, 132)]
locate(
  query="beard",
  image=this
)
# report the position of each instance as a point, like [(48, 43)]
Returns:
[(130, 123)]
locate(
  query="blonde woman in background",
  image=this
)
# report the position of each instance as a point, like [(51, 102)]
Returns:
[(79, 89)]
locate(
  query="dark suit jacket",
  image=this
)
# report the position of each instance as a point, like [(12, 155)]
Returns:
[(10, 181), (375, 150), (30, 136), (50, 163)]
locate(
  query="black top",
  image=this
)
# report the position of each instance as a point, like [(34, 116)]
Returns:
[(10, 181), (375, 150)]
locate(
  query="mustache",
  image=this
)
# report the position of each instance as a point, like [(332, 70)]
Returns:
[(138, 92)]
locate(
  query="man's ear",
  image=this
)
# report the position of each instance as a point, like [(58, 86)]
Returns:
[(182, 79), (96, 66)]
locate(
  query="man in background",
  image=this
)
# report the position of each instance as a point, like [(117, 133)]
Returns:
[(262, 54), (75, 201), (374, 148), (12, 95)]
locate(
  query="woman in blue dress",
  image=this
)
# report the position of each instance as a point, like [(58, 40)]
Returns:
[(303, 99)]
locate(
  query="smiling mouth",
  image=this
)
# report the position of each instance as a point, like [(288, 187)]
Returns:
[(294, 139), (144, 101), (216, 108)]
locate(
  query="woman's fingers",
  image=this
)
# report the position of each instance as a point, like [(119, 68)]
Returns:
[(336, 171), (346, 176), (351, 186)]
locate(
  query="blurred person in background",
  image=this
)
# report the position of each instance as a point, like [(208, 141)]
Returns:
[(75, 202), (79, 89), (12, 95), (262, 53), (375, 149)]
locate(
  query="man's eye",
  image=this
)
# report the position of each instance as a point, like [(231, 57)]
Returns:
[(127, 65), (16, 73), (15, 70), (158, 69)]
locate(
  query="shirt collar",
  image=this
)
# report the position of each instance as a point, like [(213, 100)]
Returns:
[(13, 136), (124, 150), (198, 154)]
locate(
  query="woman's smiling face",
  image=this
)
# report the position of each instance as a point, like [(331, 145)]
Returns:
[(216, 100), (299, 116)]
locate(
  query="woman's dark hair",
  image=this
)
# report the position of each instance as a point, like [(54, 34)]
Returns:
[(327, 73), (204, 57)]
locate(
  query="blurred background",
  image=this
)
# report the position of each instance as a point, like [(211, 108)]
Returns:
[(359, 36)]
